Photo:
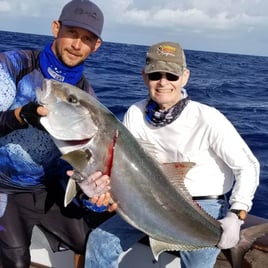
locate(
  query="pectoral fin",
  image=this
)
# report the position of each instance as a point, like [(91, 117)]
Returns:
[(71, 191), (78, 159)]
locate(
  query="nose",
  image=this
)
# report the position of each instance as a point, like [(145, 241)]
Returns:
[(77, 43), (163, 79)]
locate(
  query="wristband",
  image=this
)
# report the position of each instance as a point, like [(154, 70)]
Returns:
[(87, 204)]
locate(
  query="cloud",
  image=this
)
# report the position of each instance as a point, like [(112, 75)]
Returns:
[(30, 8), (193, 15), (4, 6), (208, 21), (206, 24)]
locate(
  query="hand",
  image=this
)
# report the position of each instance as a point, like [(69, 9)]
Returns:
[(31, 113), (231, 225), (105, 200), (95, 185)]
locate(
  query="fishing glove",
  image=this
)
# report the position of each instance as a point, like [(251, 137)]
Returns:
[(30, 116), (230, 225)]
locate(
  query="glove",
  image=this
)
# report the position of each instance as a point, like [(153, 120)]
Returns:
[(30, 116), (230, 225)]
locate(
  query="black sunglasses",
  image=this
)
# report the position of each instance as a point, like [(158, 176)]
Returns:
[(157, 76)]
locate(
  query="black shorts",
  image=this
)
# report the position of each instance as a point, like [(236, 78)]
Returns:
[(64, 227)]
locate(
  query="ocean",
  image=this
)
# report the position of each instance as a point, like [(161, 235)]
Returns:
[(234, 84)]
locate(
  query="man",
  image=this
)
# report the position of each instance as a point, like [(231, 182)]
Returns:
[(184, 130), (31, 172)]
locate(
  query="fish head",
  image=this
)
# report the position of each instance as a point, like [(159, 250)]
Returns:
[(69, 121), (77, 123)]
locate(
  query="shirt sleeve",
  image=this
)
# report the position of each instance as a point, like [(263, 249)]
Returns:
[(233, 150), (8, 121), (86, 86)]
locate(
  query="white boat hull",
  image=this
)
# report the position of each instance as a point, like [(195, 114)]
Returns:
[(138, 256)]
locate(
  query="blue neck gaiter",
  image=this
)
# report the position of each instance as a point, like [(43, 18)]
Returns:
[(52, 68)]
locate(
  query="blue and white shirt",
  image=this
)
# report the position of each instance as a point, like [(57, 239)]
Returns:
[(28, 156)]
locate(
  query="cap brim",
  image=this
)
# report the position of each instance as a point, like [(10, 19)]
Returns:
[(162, 66)]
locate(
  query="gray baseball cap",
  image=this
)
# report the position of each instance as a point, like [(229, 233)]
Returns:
[(84, 14), (165, 57)]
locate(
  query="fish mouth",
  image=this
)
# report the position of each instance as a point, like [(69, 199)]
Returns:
[(66, 146), (77, 142)]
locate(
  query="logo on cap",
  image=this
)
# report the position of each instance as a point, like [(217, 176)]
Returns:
[(80, 11), (166, 51)]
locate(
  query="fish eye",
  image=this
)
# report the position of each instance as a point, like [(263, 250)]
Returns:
[(72, 99)]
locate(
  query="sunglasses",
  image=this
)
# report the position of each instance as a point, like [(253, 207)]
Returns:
[(157, 76)]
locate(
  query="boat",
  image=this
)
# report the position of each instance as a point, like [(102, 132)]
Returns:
[(140, 254)]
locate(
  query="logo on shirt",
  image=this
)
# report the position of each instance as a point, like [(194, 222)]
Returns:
[(55, 75)]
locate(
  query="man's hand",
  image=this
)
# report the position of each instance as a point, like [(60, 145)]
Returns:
[(31, 113), (231, 225), (105, 200), (97, 187)]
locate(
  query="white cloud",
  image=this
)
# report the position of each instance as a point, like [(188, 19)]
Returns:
[(4, 6), (205, 14), (198, 24), (190, 19), (31, 8)]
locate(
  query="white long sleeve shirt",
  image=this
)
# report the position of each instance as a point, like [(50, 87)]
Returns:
[(203, 135)]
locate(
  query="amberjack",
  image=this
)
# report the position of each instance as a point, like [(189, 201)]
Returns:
[(150, 196)]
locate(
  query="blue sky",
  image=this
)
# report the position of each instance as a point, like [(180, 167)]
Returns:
[(238, 26)]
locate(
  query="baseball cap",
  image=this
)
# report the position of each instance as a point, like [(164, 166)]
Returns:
[(165, 57), (84, 14)]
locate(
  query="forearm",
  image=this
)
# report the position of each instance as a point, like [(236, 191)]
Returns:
[(236, 154), (246, 183)]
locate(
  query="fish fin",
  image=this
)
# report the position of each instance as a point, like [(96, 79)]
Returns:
[(78, 159), (176, 172), (247, 238), (71, 191), (158, 247)]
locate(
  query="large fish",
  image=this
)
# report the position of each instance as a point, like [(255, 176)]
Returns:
[(150, 196)]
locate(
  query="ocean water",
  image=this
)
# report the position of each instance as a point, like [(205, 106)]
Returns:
[(237, 85)]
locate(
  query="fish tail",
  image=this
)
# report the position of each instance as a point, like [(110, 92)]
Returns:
[(247, 238)]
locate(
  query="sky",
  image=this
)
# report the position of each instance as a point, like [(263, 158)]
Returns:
[(231, 26)]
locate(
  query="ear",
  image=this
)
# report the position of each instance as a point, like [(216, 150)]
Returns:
[(55, 28), (185, 77), (145, 78), (97, 44)]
